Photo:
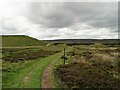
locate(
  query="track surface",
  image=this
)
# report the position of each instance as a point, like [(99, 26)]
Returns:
[(46, 79)]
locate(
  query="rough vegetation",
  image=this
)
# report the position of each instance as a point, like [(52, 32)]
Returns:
[(14, 55), (87, 65), (92, 68), (23, 67)]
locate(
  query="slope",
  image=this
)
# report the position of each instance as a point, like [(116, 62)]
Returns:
[(20, 40)]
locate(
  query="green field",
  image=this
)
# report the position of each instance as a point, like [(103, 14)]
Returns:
[(86, 66), (20, 40)]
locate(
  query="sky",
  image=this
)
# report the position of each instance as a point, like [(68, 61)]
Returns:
[(60, 20)]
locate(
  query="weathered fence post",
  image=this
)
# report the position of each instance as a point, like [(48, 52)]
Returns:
[(64, 56), (74, 49)]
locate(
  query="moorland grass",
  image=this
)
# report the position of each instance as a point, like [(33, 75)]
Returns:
[(28, 74), (92, 68), (20, 40)]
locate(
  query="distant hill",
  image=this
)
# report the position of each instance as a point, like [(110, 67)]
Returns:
[(20, 40), (86, 41)]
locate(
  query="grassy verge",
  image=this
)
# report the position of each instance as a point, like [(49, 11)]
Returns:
[(27, 75)]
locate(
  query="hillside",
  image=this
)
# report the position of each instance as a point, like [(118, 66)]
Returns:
[(20, 40), (86, 41)]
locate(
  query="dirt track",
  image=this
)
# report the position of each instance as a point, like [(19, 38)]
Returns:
[(46, 76)]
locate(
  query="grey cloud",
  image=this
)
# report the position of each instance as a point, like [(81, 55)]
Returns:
[(9, 27), (65, 20), (59, 15), (52, 15)]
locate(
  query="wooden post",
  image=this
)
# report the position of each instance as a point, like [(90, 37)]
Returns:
[(64, 56), (74, 50)]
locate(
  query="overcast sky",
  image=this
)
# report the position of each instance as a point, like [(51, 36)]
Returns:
[(60, 20)]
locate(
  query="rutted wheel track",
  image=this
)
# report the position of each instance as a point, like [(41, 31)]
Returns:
[(46, 79)]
